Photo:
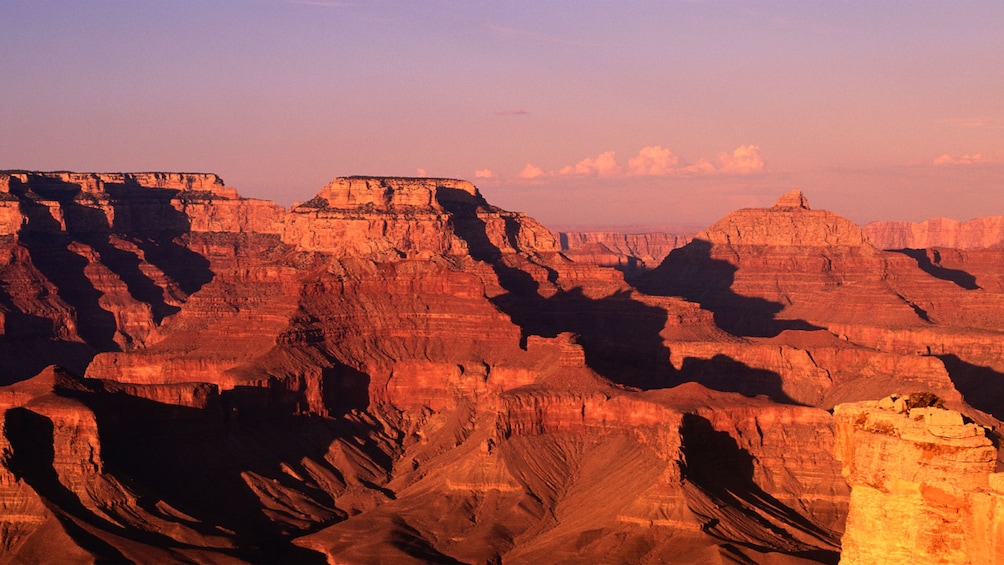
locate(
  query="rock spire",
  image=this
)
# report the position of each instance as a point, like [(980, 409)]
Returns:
[(792, 200)]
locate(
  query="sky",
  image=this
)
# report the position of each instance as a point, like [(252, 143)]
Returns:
[(587, 113)]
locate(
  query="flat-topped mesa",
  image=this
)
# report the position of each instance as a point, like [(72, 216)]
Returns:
[(389, 194), (391, 218), (79, 203), (923, 487), (628, 251), (55, 183), (790, 222)]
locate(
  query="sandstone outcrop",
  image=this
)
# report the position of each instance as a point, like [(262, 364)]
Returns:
[(923, 487)]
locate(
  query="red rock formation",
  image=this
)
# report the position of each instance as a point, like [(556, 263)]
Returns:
[(627, 251), (788, 267), (653, 478), (110, 252), (923, 487), (762, 272), (397, 370)]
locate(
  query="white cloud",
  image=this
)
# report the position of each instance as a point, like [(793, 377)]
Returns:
[(653, 160), (484, 174), (604, 165), (746, 159), (531, 172), (973, 159), (698, 167)]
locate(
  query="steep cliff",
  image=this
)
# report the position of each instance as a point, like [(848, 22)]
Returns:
[(788, 267), (96, 262), (630, 252), (923, 487)]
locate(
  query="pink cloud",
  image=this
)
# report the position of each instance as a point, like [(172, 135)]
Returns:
[(653, 160), (484, 174), (420, 172), (604, 165), (531, 172), (746, 159), (949, 160), (699, 167)]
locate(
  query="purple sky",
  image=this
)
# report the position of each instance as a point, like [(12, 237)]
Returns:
[(580, 112)]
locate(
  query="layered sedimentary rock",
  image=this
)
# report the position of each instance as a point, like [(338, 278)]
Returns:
[(598, 472), (630, 252), (788, 271), (978, 233), (788, 267), (923, 487), (96, 262), (395, 370)]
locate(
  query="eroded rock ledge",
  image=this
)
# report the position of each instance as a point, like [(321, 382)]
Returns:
[(923, 487)]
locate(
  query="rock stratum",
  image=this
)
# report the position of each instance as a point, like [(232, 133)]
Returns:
[(397, 371), (978, 233), (630, 253)]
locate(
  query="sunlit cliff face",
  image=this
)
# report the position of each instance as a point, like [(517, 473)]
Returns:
[(923, 486)]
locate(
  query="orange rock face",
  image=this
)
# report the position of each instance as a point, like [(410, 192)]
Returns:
[(397, 371), (923, 487)]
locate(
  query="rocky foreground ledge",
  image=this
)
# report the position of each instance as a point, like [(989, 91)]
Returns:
[(923, 486)]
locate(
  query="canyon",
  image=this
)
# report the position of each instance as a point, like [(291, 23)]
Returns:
[(397, 371), (631, 253)]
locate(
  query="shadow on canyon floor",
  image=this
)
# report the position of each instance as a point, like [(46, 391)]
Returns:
[(725, 374), (981, 387), (714, 462), (28, 345), (31, 460), (203, 462), (620, 336), (692, 274), (934, 268)]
